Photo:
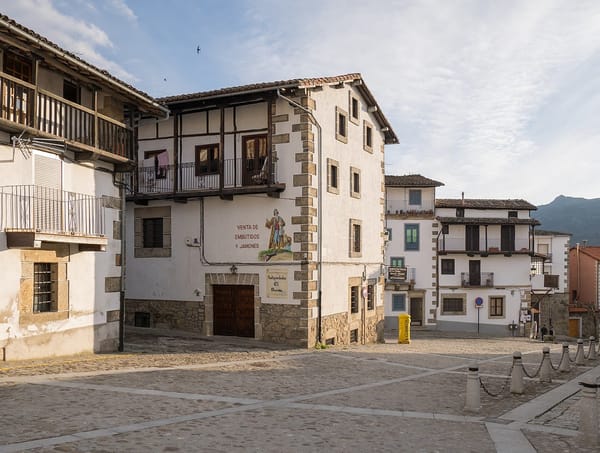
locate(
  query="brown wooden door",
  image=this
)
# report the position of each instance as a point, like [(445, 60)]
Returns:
[(474, 273), (233, 310), (416, 311), (574, 327)]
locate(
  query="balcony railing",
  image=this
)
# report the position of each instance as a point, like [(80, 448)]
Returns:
[(494, 245), (45, 210), (162, 178), (61, 118), (485, 279), (402, 207)]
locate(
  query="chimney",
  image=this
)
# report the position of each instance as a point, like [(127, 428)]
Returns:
[(584, 243), (463, 198)]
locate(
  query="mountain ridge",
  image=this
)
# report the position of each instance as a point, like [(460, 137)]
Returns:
[(575, 215)]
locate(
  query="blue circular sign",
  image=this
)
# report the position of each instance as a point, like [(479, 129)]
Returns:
[(478, 302)]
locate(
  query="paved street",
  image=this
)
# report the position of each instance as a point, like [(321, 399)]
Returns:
[(185, 393)]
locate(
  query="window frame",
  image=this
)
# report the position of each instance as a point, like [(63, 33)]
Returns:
[(22, 67), (354, 299), (412, 245), (461, 297), (333, 175), (367, 136), (371, 296), (140, 214), (412, 194), (353, 108), (213, 163), (341, 122), (152, 235), (448, 266), (355, 246), (394, 260), (492, 307), (395, 300), (355, 182), (45, 287)]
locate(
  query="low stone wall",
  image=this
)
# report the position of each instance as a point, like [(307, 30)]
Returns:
[(284, 324), (170, 314)]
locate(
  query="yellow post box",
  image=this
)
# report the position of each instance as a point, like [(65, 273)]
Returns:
[(404, 328)]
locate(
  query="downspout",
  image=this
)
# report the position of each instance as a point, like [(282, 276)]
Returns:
[(319, 210), (437, 268)]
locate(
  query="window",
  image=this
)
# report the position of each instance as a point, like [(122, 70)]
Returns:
[(255, 155), (550, 281), (354, 336), (367, 136), (153, 232), (355, 238), (411, 237), (397, 261), (333, 183), (354, 108), (414, 197), (354, 182), (496, 307), (472, 238), (388, 232), (18, 66), (453, 305), (445, 229), (44, 287), (448, 266), (156, 164), (460, 212), (398, 302), (512, 214), (71, 91), (207, 159), (341, 125), (354, 295), (507, 238), (370, 297)]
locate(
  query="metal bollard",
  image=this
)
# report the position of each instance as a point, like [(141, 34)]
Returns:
[(516, 376), (592, 355), (473, 399), (588, 415), (546, 369), (565, 365), (580, 355)]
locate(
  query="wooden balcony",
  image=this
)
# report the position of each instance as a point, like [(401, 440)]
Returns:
[(181, 181), (31, 215), (46, 115)]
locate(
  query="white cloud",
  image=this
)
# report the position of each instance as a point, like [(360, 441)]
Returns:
[(121, 8)]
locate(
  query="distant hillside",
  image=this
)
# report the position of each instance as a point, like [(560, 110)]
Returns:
[(578, 216)]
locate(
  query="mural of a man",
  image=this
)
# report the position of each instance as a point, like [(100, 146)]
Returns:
[(276, 223)]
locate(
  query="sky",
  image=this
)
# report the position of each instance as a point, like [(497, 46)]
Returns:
[(496, 99)]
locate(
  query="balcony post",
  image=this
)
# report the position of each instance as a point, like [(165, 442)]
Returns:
[(96, 134), (176, 169), (271, 165), (35, 94), (222, 150)]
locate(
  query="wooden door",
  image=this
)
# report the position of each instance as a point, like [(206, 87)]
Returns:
[(474, 273), (472, 238), (233, 310), (416, 311), (254, 156), (574, 327)]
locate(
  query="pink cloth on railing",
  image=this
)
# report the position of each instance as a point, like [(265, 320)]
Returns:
[(163, 160)]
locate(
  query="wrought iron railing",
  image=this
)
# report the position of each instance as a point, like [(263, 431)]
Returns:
[(162, 178), (485, 279), (62, 118), (494, 245), (47, 210)]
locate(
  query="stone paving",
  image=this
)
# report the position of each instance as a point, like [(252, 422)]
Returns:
[(170, 392)]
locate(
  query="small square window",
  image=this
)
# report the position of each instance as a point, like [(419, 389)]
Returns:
[(460, 212), (341, 125), (513, 214), (354, 336), (398, 302), (452, 305), (414, 197), (448, 266), (388, 234), (397, 261), (354, 182)]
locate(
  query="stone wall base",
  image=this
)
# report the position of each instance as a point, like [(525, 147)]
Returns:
[(165, 314), (287, 324)]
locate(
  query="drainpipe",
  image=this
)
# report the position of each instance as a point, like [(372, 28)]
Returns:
[(319, 210), (437, 269)]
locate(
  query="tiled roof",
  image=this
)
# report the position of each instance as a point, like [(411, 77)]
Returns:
[(411, 181), (592, 251), (289, 84), (33, 39), (551, 233), (487, 221), (473, 203)]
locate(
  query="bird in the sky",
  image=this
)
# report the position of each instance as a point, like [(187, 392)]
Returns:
[(198, 49)]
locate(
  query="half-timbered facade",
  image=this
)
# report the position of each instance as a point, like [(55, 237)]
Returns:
[(65, 126), (258, 211)]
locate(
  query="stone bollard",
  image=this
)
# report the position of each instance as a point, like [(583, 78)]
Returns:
[(592, 355), (516, 377), (580, 355), (565, 365), (473, 399), (588, 415), (546, 369)]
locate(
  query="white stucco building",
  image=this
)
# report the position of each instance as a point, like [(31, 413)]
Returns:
[(410, 253), (484, 261), (258, 211), (65, 126)]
